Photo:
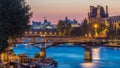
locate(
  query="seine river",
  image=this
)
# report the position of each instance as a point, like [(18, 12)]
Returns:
[(73, 57)]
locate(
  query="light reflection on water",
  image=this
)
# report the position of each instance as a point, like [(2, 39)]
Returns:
[(73, 57), (88, 65), (96, 53)]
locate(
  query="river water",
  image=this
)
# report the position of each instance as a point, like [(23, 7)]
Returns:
[(73, 56)]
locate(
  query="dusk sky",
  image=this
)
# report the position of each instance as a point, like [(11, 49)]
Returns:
[(55, 10)]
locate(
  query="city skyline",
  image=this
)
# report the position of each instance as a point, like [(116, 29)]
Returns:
[(55, 10)]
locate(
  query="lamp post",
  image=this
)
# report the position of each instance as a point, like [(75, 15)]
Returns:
[(116, 28), (96, 26)]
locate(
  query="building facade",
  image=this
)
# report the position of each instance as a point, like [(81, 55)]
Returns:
[(101, 15), (74, 22), (42, 29), (97, 14)]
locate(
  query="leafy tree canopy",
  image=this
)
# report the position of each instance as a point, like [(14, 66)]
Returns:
[(14, 19), (64, 27)]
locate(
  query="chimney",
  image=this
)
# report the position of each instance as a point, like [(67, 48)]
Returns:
[(98, 11), (91, 9), (107, 11)]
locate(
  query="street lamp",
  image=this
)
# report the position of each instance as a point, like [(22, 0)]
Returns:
[(25, 32), (30, 32), (96, 26)]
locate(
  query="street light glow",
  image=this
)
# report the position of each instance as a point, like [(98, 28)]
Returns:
[(25, 32), (30, 32), (95, 25)]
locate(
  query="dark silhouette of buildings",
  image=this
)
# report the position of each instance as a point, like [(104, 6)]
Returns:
[(98, 12), (101, 15)]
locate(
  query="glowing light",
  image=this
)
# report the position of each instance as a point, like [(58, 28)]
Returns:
[(60, 33), (25, 44), (35, 32), (25, 32), (55, 33), (95, 26), (96, 52), (85, 35), (30, 32), (45, 33), (88, 65), (50, 33), (40, 32), (41, 35)]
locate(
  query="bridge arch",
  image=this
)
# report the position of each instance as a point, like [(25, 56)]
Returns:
[(87, 51)]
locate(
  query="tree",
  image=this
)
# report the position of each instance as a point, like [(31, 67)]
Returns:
[(37, 55), (60, 27), (85, 27), (14, 19), (76, 31), (88, 28), (111, 31), (64, 27)]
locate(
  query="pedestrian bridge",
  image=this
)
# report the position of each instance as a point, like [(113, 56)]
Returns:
[(86, 42), (58, 39)]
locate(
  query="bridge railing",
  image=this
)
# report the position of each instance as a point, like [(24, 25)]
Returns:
[(60, 39)]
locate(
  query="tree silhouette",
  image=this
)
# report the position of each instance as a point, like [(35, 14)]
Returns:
[(64, 27), (14, 19)]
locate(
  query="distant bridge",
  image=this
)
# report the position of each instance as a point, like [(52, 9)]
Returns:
[(58, 39), (85, 42)]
